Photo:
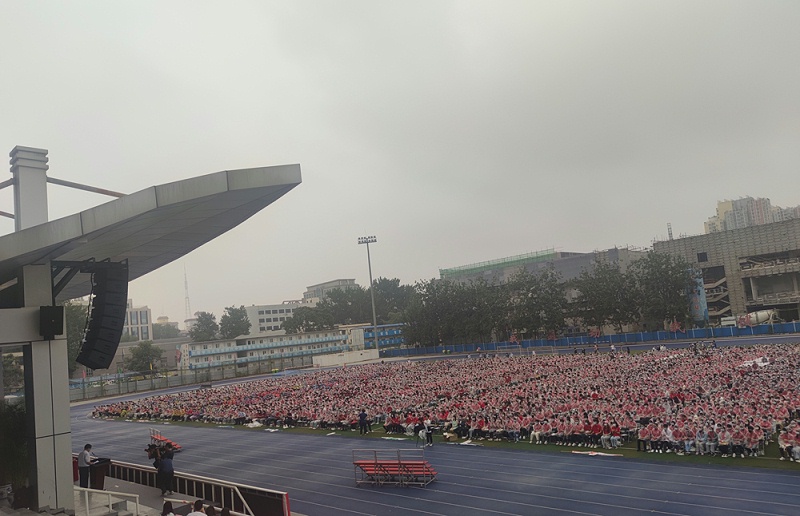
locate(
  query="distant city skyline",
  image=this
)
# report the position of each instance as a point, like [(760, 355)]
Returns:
[(747, 211)]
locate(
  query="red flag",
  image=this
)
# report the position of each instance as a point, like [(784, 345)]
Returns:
[(676, 326)]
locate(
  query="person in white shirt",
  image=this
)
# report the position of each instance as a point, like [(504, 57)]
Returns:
[(85, 459)]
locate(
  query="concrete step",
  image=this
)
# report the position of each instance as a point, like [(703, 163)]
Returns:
[(18, 512), (98, 506)]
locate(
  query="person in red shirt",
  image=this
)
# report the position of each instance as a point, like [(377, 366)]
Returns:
[(689, 432), (478, 430), (616, 434), (574, 432), (597, 433), (587, 434), (605, 438), (544, 434), (643, 439), (678, 440), (562, 432), (738, 437)]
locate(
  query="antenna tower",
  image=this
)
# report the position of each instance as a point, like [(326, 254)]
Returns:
[(669, 233)]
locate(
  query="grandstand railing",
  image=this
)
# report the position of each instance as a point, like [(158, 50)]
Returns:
[(241, 498)]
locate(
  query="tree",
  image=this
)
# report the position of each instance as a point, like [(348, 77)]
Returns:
[(537, 302), (481, 311), (234, 322), (165, 331), (75, 317), (142, 356), (391, 298), (606, 295), (128, 337), (305, 319), (435, 313), (662, 281), (12, 374), (422, 314), (205, 328), (348, 306), (554, 301)]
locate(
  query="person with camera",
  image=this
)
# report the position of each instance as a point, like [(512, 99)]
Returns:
[(163, 463)]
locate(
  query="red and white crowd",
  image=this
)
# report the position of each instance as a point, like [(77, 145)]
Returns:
[(727, 401)]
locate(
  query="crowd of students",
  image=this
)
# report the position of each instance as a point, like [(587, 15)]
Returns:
[(727, 400)]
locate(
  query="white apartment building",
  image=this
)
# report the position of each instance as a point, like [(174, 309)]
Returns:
[(276, 351), (138, 322), (746, 212), (269, 318)]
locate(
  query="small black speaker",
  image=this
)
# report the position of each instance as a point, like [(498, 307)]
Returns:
[(51, 321), (107, 317)]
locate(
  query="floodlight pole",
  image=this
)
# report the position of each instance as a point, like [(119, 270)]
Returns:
[(371, 240)]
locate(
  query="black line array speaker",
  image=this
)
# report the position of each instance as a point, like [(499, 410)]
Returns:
[(107, 317)]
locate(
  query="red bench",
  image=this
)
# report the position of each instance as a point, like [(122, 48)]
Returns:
[(401, 467), (159, 440)]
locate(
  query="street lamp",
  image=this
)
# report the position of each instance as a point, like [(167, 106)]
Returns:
[(371, 240)]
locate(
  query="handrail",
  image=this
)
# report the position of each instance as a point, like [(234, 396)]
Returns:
[(86, 491), (229, 493)]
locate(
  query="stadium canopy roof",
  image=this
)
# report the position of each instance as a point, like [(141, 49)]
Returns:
[(149, 228)]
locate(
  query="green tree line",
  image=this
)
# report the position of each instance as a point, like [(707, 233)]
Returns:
[(651, 291)]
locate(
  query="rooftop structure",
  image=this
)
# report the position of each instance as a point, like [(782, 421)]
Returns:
[(747, 269), (321, 290), (146, 229), (568, 264)]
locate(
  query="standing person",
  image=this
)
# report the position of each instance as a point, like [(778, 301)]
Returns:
[(166, 469), (428, 432), (85, 459), (362, 422)]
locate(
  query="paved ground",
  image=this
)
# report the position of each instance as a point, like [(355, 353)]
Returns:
[(317, 473)]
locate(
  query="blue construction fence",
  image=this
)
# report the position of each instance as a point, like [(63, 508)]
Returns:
[(623, 338)]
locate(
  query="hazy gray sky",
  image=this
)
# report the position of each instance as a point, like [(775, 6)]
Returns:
[(456, 132)]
